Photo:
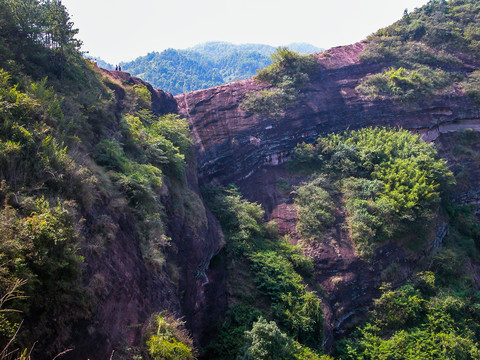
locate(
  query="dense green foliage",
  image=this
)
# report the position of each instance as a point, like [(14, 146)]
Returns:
[(472, 86), (315, 209), (405, 85), (42, 249), (424, 48), (39, 234), (275, 266), (167, 339), (37, 35), (230, 339), (440, 24), (71, 159), (435, 315), (421, 320), (265, 341), (390, 181), (288, 73), (391, 184), (203, 66)]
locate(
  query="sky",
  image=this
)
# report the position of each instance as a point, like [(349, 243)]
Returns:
[(123, 30)]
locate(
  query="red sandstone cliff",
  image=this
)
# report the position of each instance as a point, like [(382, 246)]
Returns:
[(232, 143), (236, 146), (247, 149)]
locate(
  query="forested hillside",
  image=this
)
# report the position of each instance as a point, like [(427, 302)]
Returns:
[(204, 65), (94, 196), (422, 49), (326, 209)]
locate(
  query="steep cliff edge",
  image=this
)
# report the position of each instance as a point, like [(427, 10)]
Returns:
[(235, 146), (233, 143), (127, 290), (104, 229), (102, 216)]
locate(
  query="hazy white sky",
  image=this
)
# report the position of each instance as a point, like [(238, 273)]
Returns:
[(125, 29)]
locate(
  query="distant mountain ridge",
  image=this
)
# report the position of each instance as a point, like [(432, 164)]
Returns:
[(220, 48), (204, 65)]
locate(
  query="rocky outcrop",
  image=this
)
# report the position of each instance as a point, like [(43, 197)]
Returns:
[(432, 133), (234, 146), (237, 146), (125, 293), (232, 143), (126, 288), (162, 102), (202, 284)]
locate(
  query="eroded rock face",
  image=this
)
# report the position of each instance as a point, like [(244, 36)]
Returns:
[(126, 292), (162, 102), (202, 286), (232, 143), (127, 289), (349, 283), (234, 146)]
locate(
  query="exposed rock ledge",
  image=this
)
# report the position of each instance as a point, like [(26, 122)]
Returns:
[(238, 146), (232, 143)]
